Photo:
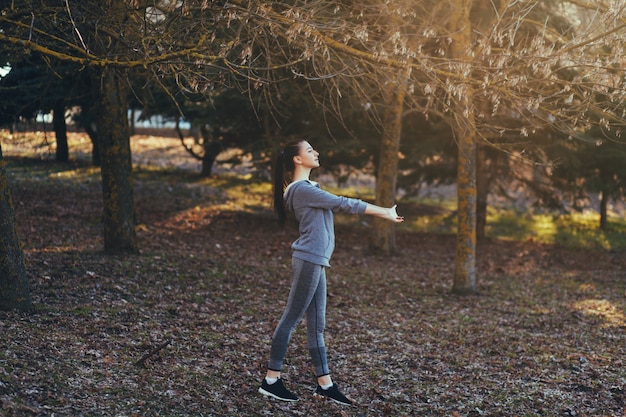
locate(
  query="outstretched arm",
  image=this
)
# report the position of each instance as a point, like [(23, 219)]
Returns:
[(384, 213)]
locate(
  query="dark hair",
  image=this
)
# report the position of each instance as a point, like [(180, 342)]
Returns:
[(283, 172)]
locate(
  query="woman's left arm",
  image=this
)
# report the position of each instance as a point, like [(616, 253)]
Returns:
[(384, 213)]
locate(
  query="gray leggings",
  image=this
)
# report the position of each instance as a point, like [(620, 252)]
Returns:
[(307, 295)]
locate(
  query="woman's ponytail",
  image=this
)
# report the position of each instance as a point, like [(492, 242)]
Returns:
[(283, 172), (279, 188)]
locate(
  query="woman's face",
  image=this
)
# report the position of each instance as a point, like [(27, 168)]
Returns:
[(308, 157)]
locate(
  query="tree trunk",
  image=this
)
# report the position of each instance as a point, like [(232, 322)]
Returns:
[(383, 238), (132, 128), (95, 147), (60, 131), (465, 133), (211, 148), (116, 166), (208, 159), (465, 262), (14, 289), (482, 191), (604, 196), (89, 123)]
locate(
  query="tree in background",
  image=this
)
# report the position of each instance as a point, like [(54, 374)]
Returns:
[(222, 120), (14, 289), (589, 166), (36, 85), (18, 89)]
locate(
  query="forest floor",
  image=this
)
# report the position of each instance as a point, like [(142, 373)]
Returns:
[(183, 328)]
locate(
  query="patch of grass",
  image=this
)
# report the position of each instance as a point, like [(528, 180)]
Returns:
[(34, 168), (582, 230), (162, 174), (510, 225), (82, 311), (579, 230), (440, 223)]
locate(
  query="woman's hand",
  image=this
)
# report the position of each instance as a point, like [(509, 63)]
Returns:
[(393, 215)]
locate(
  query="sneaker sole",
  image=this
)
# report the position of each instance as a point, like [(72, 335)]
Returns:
[(325, 397), (269, 394)]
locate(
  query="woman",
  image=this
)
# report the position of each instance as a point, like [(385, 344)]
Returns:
[(313, 209)]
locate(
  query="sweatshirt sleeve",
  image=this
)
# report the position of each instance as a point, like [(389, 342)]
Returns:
[(309, 195)]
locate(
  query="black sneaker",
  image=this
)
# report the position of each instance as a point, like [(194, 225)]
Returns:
[(277, 390), (333, 393)]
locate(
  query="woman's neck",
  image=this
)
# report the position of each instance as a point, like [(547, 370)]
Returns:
[(300, 173)]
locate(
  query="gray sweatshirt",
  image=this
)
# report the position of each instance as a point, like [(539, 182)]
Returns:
[(313, 208)]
